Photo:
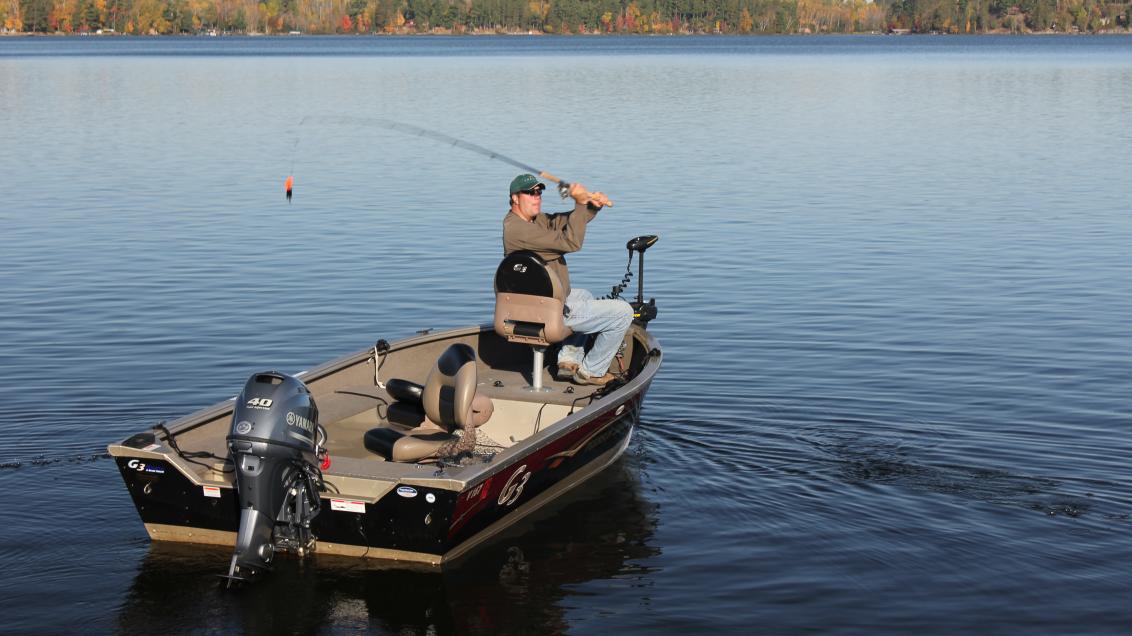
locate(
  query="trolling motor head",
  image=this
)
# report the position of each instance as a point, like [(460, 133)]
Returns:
[(274, 444)]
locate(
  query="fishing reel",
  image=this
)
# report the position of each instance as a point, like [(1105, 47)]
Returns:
[(642, 312), (564, 190)]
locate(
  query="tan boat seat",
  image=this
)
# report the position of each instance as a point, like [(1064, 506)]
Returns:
[(529, 300), (449, 402)]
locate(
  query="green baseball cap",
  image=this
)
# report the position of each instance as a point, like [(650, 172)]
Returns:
[(525, 182)]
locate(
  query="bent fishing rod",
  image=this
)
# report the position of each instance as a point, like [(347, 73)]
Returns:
[(410, 129)]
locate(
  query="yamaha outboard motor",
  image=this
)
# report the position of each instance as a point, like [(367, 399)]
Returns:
[(275, 443)]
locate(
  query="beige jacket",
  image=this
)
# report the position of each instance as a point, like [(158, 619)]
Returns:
[(551, 236)]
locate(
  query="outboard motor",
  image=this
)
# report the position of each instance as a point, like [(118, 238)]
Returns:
[(275, 444)]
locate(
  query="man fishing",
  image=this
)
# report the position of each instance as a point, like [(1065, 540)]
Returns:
[(551, 237)]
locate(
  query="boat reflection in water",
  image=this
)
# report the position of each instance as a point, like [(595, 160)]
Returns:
[(514, 584)]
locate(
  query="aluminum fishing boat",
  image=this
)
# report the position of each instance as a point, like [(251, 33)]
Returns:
[(415, 450)]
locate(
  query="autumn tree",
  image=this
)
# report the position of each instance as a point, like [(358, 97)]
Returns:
[(10, 15)]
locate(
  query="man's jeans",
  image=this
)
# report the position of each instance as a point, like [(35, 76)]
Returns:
[(609, 318)]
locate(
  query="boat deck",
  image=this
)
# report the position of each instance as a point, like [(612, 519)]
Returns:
[(518, 414), (350, 402)]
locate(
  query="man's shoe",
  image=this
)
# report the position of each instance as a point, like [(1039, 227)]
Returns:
[(566, 370), (580, 377)]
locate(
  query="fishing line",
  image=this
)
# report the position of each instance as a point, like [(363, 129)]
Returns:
[(418, 131), (295, 146)]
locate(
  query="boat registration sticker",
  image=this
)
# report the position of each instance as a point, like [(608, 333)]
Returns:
[(212, 491), (348, 505)]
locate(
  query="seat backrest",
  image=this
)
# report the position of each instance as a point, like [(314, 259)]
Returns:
[(451, 387), (529, 300)]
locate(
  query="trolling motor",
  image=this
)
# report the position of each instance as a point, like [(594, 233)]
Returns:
[(642, 312), (276, 446)]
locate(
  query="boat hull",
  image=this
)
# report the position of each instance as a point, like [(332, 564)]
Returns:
[(429, 518)]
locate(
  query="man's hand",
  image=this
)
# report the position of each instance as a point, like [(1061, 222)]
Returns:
[(579, 193), (600, 200)]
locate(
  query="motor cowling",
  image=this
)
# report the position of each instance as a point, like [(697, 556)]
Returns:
[(274, 444)]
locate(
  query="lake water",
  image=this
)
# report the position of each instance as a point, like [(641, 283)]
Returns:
[(895, 292)]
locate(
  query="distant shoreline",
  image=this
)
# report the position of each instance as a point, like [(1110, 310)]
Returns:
[(251, 18), (472, 34)]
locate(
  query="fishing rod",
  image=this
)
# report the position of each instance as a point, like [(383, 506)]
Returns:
[(563, 186), (410, 129)]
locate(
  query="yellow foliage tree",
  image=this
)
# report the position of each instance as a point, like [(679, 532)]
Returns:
[(540, 8), (10, 10), (266, 15), (149, 16), (746, 23)]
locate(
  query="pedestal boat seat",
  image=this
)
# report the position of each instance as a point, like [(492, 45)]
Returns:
[(529, 303)]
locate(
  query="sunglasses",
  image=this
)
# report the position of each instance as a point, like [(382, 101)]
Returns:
[(536, 192)]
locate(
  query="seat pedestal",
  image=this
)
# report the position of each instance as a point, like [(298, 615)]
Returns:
[(536, 372)]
